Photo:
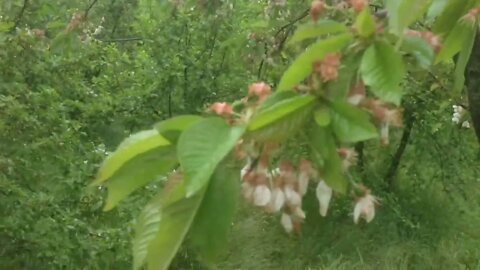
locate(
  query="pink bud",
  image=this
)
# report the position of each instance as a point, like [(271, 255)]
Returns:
[(358, 5), (316, 9), (222, 109), (261, 90), (357, 93)]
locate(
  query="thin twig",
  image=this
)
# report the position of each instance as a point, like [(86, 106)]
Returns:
[(122, 39), (19, 17), (85, 15)]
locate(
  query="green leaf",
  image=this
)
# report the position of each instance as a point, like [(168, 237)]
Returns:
[(215, 216), (324, 149), (461, 65), (173, 127), (280, 110), (460, 35), (420, 50), (323, 27), (450, 15), (338, 89), (322, 116), (163, 225), (351, 124), (275, 98), (436, 8), (131, 147), (202, 146), (302, 66), (383, 70), (139, 171), (6, 26), (365, 24), (283, 129), (146, 229), (402, 13)]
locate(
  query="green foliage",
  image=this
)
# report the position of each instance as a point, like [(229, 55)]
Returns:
[(70, 94), (351, 124), (323, 27), (383, 70), (173, 127), (459, 37), (176, 215), (364, 23), (132, 147), (209, 233), (403, 13), (323, 149), (202, 147), (302, 66), (280, 110), (420, 49), (139, 171)]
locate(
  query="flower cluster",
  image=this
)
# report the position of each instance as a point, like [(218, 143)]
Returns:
[(458, 114), (327, 68), (281, 188)]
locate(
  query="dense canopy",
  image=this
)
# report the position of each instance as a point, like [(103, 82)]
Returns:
[(239, 134)]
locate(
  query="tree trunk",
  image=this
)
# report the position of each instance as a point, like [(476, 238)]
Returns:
[(472, 81)]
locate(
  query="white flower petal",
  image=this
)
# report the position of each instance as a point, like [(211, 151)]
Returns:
[(291, 196), (355, 99), (324, 195), (303, 180), (364, 208), (277, 201), (287, 222), (298, 212), (261, 195)]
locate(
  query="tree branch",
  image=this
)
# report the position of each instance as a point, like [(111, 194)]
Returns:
[(392, 170), (122, 39), (87, 11), (472, 80), (19, 17)]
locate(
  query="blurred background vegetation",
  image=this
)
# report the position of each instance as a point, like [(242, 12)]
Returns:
[(67, 98)]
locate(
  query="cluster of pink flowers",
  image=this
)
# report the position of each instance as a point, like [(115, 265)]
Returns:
[(281, 188), (318, 7), (327, 68)]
